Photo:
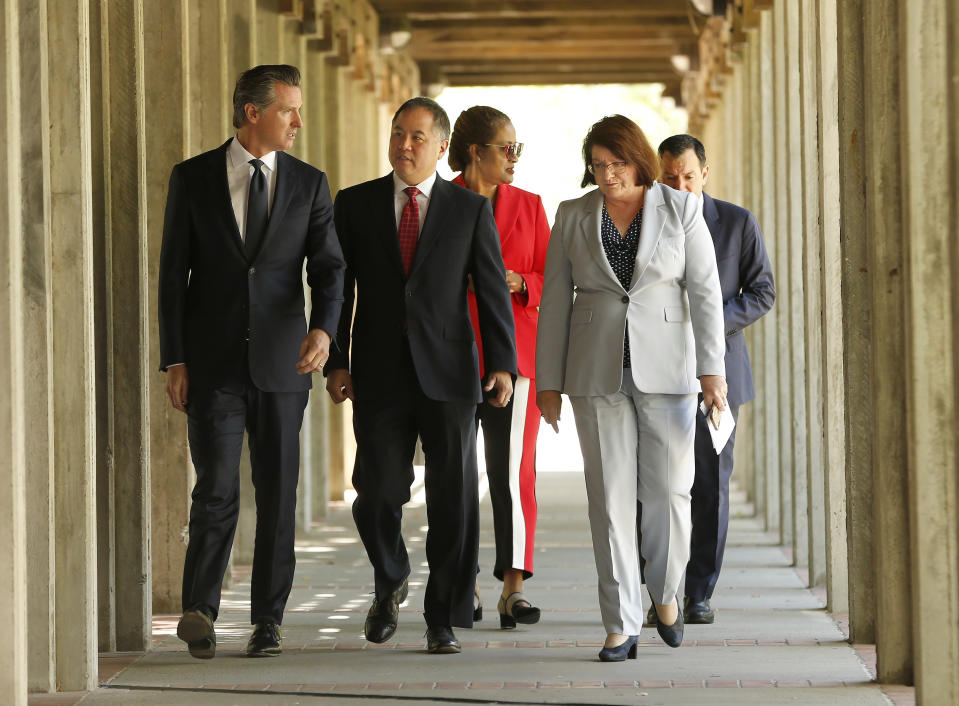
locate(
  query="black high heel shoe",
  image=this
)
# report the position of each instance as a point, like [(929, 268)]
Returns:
[(620, 653), (672, 634), (477, 607), (510, 613)]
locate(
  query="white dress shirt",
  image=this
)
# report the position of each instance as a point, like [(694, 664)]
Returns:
[(422, 198), (239, 174)]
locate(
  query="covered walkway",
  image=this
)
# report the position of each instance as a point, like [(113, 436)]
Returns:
[(772, 643), (835, 121)]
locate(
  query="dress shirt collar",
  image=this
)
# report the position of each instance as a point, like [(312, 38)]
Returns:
[(239, 156), (425, 186)]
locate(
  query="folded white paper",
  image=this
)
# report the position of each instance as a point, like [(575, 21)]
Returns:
[(726, 425)]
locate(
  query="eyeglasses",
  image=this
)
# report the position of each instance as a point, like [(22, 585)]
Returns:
[(617, 167), (513, 150)]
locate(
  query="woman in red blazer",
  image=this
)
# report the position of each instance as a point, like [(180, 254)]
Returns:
[(484, 150)]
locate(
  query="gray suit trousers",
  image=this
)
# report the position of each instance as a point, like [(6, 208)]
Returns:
[(637, 446)]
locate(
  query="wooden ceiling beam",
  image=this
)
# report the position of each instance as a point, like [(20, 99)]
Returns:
[(551, 51), (466, 9), (553, 78)]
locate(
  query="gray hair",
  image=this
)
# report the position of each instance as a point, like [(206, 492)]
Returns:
[(441, 121), (256, 86)]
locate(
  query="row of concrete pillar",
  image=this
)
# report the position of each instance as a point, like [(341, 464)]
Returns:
[(102, 98), (837, 123)]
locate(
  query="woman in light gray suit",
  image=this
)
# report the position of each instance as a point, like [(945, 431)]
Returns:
[(631, 328)]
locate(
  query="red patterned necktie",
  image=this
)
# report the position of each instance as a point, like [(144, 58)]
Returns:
[(409, 228)]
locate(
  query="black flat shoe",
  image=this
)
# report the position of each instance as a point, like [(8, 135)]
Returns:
[(698, 613), (672, 634), (196, 630), (510, 613), (440, 640), (620, 653), (265, 640), (383, 616)]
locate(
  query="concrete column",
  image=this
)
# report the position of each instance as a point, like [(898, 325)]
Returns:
[(812, 287), (780, 245), (106, 551), (267, 32), (929, 141), (891, 556), (316, 463), (13, 568), (793, 289), (834, 399), (856, 322), (768, 325), (757, 342), (68, 40), (37, 406), (128, 369), (240, 41), (165, 141), (210, 106)]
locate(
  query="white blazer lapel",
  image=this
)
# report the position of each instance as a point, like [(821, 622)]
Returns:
[(591, 223), (654, 218)]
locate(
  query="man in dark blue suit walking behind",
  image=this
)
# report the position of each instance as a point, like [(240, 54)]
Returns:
[(746, 279)]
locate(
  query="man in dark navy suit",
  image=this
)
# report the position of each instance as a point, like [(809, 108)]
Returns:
[(746, 280), (412, 242), (235, 344)]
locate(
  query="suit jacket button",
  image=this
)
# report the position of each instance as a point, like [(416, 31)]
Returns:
[(252, 271), (625, 299)]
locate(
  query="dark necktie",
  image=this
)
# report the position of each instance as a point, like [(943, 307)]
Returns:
[(257, 210), (409, 229)]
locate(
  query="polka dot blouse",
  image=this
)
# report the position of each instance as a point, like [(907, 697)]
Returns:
[(621, 254)]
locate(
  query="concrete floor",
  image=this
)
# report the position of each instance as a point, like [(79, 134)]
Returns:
[(772, 641)]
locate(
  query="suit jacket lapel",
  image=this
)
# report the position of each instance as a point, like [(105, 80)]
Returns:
[(505, 212), (285, 188), (436, 215), (384, 224), (220, 193), (654, 218), (711, 215), (591, 224)]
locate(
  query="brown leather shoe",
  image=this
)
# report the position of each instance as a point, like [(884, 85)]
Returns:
[(265, 640), (196, 630)]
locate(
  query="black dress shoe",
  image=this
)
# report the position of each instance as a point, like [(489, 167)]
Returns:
[(672, 634), (381, 620), (698, 612), (196, 630), (265, 640), (440, 640)]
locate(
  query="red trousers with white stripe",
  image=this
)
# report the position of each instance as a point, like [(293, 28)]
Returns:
[(509, 437)]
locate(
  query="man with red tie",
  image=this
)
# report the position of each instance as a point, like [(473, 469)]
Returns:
[(411, 241)]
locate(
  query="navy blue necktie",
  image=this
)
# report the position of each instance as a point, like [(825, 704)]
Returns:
[(257, 210)]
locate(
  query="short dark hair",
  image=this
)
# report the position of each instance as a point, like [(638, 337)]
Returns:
[(441, 121), (678, 144), (474, 126), (622, 137), (257, 85)]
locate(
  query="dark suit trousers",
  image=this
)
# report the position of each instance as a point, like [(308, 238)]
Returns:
[(710, 511), (217, 419), (386, 429)]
